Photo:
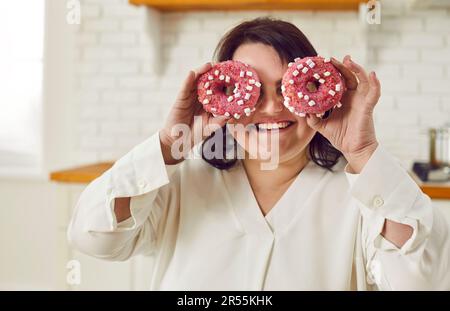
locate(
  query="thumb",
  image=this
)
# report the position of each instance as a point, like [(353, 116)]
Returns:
[(314, 122)]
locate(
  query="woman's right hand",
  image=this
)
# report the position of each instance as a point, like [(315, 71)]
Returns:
[(184, 110)]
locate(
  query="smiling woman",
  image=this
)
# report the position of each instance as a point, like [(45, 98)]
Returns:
[(351, 222)]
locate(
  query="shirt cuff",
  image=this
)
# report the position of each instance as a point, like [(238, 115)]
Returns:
[(385, 190), (138, 172)]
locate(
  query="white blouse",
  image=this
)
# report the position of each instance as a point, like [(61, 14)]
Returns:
[(206, 232)]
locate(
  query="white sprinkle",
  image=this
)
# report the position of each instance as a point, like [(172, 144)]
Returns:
[(216, 72), (326, 60), (247, 111), (227, 114), (291, 109), (327, 73), (237, 95), (301, 114), (240, 102), (283, 88), (312, 64), (300, 95), (222, 77), (321, 81), (227, 79), (295, 73), (230, 99), (251, 81), (206, 101), (236, 85), (249, 73), (305, 70), (287, 98), (249, 87), (286, 103), (209, 92), (291, 81), (290, 64), (213, 109), (311, 103), (331, 92), (237, 115), (206, 85), (210, 78), (317, 76), (241, 74), (338, 87), (306, 97), (297, 59), (258, 84), (253, 109), (247, 96), (309, 61), (339, 105), (299, 66)]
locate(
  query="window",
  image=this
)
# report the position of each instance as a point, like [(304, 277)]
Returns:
[(21, 75)]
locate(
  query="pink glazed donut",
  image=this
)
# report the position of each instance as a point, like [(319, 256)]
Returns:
[(312, 85), (230, 89)]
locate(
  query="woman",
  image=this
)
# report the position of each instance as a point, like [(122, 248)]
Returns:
[(338, 212)]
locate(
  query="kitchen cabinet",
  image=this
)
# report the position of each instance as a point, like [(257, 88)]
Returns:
[(187, 5)]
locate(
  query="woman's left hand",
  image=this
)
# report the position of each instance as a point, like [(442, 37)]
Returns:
[(350, 129)]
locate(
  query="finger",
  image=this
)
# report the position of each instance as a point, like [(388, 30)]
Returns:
[(374, 89), (349, 76), (358, 70), (202, 69), (187, 87)]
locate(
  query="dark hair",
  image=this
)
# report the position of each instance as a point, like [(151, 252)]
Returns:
[(289, 42)]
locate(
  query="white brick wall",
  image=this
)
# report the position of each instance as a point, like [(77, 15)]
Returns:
[(122, 101)]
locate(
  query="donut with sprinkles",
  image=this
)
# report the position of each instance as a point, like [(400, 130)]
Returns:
[(230, 89), (312, 85)]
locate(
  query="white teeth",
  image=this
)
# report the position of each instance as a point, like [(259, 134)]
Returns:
[(270, 126)]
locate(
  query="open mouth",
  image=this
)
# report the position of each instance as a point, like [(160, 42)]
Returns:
[(274, 126)]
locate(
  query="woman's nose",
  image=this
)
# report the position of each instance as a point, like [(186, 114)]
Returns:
[(271, 104)]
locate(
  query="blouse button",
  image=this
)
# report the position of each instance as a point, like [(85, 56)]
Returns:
[(378, 201), (142, 184)]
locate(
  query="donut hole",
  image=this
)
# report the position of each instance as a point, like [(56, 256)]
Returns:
[(227, 89), (312, 86)]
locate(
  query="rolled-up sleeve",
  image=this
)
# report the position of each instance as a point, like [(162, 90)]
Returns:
[(384, 190), (141, 174)]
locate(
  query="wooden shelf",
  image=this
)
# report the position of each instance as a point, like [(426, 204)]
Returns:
[(224, 5), (82, 174)]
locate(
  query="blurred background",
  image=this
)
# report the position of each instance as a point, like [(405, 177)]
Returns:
[(82, 82)]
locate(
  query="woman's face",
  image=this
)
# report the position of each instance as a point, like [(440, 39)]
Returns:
[(294, 138)]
